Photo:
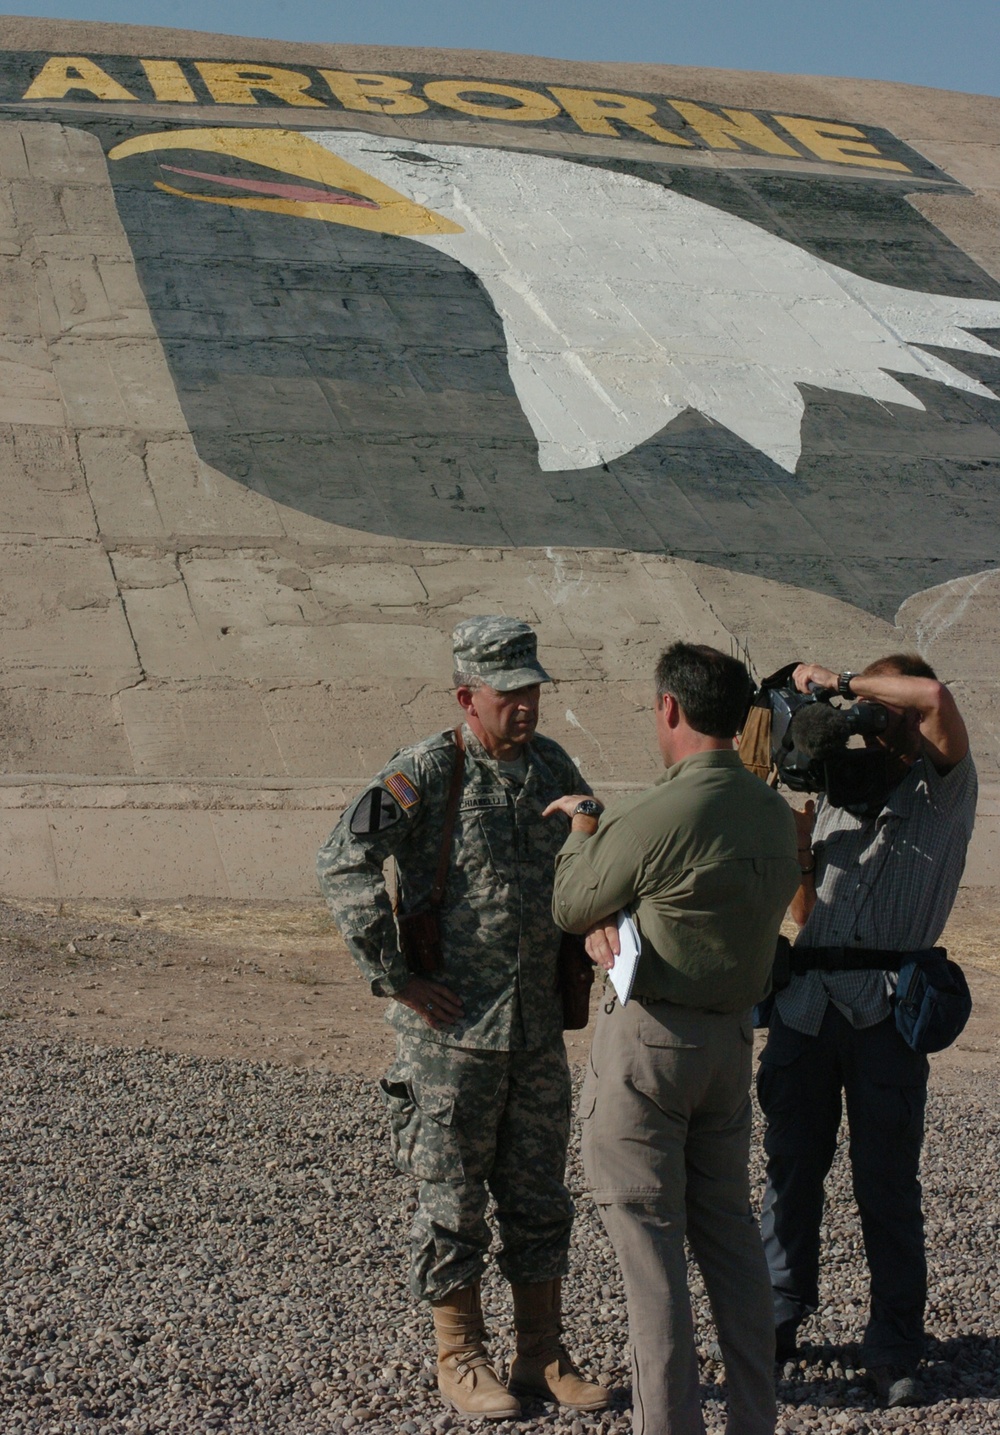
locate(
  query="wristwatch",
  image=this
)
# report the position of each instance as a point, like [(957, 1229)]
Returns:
[(589, 807), (844, 685)]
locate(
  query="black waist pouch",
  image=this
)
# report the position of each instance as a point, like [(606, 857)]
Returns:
[(932, 1001)]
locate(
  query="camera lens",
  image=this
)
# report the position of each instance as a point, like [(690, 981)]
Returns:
[(866, 719)]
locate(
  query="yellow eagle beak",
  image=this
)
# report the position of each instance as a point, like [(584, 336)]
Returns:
[(348, 195)]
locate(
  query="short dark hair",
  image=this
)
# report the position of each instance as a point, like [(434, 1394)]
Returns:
[(713, 689), (904, 665)]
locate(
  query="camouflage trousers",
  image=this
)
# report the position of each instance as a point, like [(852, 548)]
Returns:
[(467, 1124)]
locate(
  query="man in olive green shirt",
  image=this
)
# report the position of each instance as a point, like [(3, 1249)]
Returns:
[(706, 861)]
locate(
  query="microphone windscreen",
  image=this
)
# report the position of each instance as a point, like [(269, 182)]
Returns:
[(820, 731)]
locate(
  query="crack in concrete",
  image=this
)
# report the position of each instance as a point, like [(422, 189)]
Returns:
[(741, 643), (111, 572), (407, 702)]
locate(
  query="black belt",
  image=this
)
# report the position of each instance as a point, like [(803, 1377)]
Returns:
[(681, 1006), (792, 961)]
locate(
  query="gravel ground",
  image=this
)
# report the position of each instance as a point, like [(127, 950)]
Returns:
[(193, 1244)]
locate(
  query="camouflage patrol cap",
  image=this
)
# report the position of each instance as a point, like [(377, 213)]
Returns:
[(501, 652)]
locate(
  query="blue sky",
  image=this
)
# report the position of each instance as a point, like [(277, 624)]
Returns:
[(954, 45)]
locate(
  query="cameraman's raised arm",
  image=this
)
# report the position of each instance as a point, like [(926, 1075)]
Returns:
[(923, 701)]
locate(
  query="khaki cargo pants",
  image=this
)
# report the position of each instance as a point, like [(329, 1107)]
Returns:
[(666, 1135)]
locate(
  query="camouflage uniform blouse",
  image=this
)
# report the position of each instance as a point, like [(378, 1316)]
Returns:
[(498, 938)]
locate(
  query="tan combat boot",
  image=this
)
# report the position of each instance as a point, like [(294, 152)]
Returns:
[(466, 1379), (541, 1366)]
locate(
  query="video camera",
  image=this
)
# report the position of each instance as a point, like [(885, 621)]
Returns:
[(809, 744)]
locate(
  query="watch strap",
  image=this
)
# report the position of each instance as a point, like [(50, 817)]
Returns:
[(589, 807)]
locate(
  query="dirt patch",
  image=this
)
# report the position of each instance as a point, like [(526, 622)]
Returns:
[(273, 982), (264, 982)]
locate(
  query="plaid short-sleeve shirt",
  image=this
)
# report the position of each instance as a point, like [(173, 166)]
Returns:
[(887, 882)]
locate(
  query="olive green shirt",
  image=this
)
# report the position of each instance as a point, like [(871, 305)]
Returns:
[(706, 861)]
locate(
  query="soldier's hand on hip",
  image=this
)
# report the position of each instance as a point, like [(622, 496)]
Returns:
[(602, 943), (436, 1003)]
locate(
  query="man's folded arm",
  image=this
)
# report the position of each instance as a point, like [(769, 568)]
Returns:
[(596, 875)]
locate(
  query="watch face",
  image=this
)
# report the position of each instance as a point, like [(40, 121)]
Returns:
[(588, 808)]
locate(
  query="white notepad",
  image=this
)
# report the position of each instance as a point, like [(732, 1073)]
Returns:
[(623, 972)]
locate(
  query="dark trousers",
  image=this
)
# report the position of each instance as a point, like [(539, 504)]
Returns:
[(884, 1083)]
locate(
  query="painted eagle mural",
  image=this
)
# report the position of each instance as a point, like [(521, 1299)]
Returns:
[(778, 374)]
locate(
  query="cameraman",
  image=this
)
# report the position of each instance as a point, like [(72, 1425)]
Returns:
[(884, 882)]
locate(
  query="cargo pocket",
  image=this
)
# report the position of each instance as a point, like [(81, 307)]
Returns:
[(588, 1094), (483, 834), (669, 1050), (669, 1027), (784, 1044), (894, 1085), (401, 1110), (435, 1148), (776, 1093)]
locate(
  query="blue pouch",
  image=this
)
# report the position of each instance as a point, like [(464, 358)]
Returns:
[(761, 1016), (932, 1001)]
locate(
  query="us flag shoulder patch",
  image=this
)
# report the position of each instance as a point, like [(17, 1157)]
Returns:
[(402, 789)]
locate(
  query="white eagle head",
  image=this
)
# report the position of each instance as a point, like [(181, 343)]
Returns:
[(624, 304)]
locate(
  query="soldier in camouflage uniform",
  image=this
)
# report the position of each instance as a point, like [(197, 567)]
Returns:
[(479, 1095)]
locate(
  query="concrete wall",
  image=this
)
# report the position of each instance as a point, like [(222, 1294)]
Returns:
[(254, 465)]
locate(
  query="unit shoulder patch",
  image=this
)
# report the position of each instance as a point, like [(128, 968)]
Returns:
[(373, 812)]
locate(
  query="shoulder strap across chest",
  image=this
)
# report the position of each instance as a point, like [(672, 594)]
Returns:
[(451, 811)]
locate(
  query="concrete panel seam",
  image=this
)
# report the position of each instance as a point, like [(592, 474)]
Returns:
[(118, 592)]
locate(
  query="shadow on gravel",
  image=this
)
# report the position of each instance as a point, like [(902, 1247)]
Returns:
[(965, 1367), (833, 1376)]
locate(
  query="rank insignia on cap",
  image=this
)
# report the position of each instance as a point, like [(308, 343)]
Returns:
[(402, 790)]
